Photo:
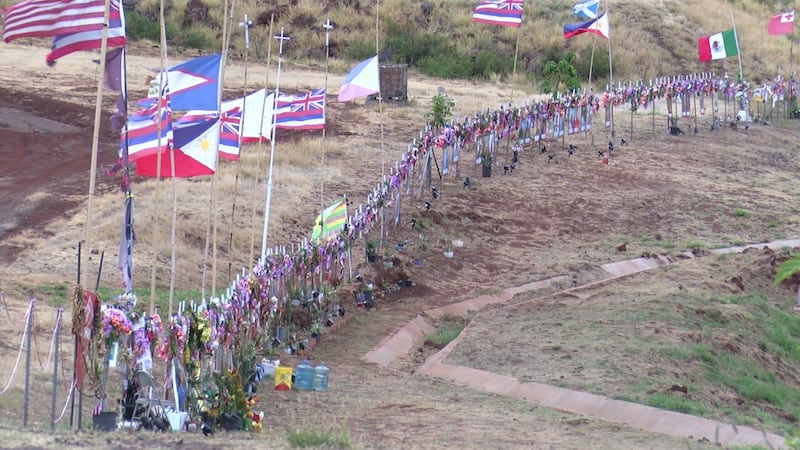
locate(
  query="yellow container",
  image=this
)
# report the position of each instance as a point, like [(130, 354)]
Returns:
[(283, 378)]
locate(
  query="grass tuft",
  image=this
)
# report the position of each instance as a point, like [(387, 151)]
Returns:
[(307, 437)]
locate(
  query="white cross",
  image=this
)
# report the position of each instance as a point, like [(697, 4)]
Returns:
[(246, 25), (328, 27), (281, 38)]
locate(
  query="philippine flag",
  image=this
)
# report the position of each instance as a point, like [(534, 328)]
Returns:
[(363, 80)]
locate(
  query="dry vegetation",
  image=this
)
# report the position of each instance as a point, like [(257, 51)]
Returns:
[(660, 194), (650, 38)]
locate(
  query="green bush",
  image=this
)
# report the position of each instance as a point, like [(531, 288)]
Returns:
[(140, 26), (197, 38)]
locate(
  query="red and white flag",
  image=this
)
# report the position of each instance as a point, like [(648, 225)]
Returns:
[(45, 18), (781, 24)]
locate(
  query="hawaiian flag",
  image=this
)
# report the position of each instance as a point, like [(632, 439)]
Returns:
[(143, 131), (230, 125), (301, 111), (506, 13), (66, 43)]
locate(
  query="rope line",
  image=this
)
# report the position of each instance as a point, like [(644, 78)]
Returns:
[(53, 340), (69, 397), (21, 344)]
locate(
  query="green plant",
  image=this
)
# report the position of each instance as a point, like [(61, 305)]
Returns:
[(449, 328), (739, 212), (556, 73), (307, 437), (441, 110), (372, 249)]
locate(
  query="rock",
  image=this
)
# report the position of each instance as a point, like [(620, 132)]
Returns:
[(621, 248), (196, 13)]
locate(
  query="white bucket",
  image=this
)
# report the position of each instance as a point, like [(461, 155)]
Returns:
[(177, 420)]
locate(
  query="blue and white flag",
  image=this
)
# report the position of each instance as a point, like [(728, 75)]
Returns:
[(586, 9), (193, 84)]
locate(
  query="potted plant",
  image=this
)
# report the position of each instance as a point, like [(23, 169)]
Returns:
[(388, 263), (486, 162), (448, 248), (372, 250)]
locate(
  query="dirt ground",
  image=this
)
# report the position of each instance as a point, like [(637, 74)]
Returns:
[(568, 216)]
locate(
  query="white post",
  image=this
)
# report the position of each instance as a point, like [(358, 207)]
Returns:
[(280, 39)]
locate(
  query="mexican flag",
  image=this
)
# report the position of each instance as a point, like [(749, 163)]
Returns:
[(717, 46)]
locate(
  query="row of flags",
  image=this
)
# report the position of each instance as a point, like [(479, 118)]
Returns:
[(726, 43), (509, 13), (198, 134)]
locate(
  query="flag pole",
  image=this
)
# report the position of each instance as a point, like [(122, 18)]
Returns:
[(162, 79), (516, 51), (226, 41), (260, 141), (611, 78), (245, 23), (281, 39), (328, 27), (96, 136), (380, 113), (791, 47), (738, 50)]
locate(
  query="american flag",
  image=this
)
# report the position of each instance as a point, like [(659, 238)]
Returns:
[(230, 123), (506, 13), (45, 18), (66, 43), (301, 111)]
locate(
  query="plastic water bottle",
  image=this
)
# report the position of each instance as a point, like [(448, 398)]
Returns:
[(321, 377), (303, 376)]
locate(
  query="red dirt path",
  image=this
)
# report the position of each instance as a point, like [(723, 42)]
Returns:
[(44, 172)]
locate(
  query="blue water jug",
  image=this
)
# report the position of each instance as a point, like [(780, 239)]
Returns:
[(321, 377), (303, 376)]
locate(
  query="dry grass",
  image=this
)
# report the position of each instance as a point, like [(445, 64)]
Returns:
[(547, 219)]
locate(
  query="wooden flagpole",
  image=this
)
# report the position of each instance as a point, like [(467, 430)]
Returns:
[(610, 78), (162, 79), (791, 58), (98, 109), (738, 50), (380, 117), (260, 143), (245, 23), (214, 181)]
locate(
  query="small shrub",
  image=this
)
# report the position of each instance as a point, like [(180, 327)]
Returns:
[(739, 212), (306, 437), (448, 330)]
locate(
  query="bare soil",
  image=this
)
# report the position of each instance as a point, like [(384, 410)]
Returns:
[(565, 216)]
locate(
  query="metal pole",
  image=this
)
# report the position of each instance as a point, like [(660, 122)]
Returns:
[(99, 271), (27, 362), (282, 37), (695, 112), (75, 352), (59, 312)]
